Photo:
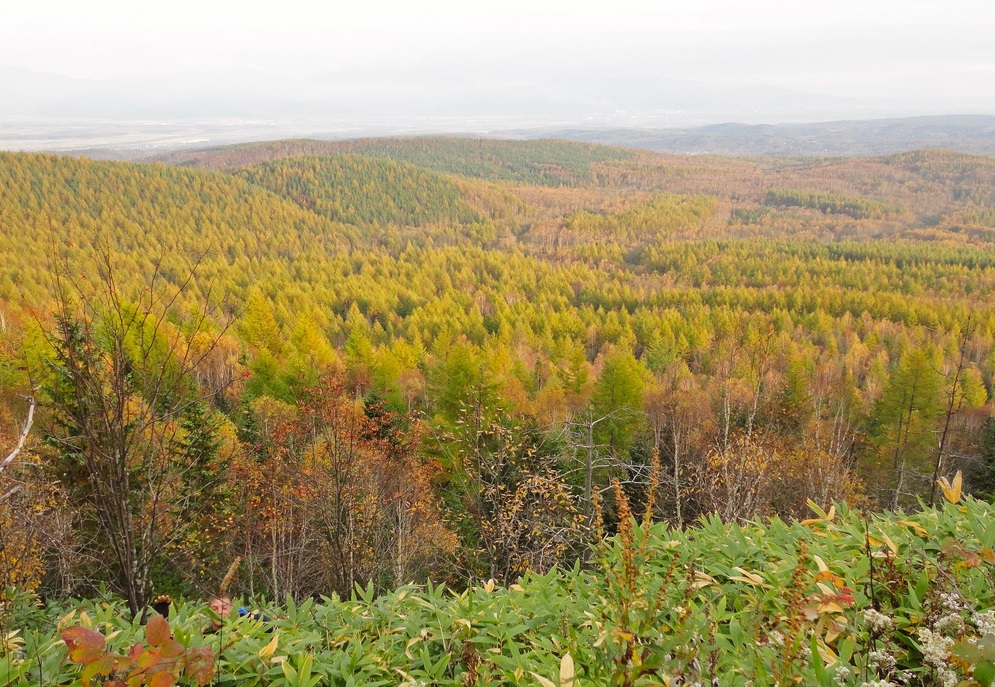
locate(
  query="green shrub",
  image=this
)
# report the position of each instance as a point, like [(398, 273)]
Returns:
[(840, 599)]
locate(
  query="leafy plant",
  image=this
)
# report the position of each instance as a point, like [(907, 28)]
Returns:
[(161, 661)]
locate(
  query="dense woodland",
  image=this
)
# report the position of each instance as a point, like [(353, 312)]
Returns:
[(379, 362)]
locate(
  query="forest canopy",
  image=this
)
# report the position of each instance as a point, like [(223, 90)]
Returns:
[(395, 360)]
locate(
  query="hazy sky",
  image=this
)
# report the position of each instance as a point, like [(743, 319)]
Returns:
[(922, 55)]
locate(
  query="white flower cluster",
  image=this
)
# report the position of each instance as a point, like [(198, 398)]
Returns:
[(902, 678), (842, 673), (985, 622), (935, 647), (935, 651), (878, 623), (951, 602), (882, 662), (951, 624)]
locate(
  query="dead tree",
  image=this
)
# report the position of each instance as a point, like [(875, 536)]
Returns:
[(21, 440)]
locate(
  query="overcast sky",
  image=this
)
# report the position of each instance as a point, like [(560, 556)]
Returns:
[(904, 56)]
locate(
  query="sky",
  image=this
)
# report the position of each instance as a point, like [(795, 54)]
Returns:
[(765, 60)]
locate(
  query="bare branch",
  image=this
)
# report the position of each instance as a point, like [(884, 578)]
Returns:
[(10, 493), (21, 440)]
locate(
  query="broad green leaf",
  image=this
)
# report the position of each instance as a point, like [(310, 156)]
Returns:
[(984, 673)]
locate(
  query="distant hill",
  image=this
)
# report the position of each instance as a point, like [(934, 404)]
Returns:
[(964, 133), (543, 162), (549, 156), (56, 207), (360, 190), (938, 187)]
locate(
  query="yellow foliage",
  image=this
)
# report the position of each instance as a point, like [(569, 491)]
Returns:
[(751, 477), (952, 490)]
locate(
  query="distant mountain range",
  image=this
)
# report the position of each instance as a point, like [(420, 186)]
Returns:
[(964, 133)]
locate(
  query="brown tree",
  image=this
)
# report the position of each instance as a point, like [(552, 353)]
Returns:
[(336, 496)]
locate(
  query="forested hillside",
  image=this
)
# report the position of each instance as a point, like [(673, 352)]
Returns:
[(548, 163), (362, 191), (381, 361)]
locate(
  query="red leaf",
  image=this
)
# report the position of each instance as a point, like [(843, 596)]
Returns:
[(161, 679), (172, 649), (122, 664), (106, 664), (148, 659), (137, 650), (157, 631), (200, 665), (85, 646), (103, 666)]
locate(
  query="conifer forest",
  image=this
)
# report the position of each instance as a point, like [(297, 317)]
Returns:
[(456, 411)]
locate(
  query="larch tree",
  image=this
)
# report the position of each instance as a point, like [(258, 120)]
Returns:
[(904, 420)]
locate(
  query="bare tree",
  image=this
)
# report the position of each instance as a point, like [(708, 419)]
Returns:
[(597, 460), (21, 440), (120, 388), (680, 418), (28, 523)]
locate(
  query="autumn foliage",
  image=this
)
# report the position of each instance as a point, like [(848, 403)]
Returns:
[(160, 661), (376, 362)]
